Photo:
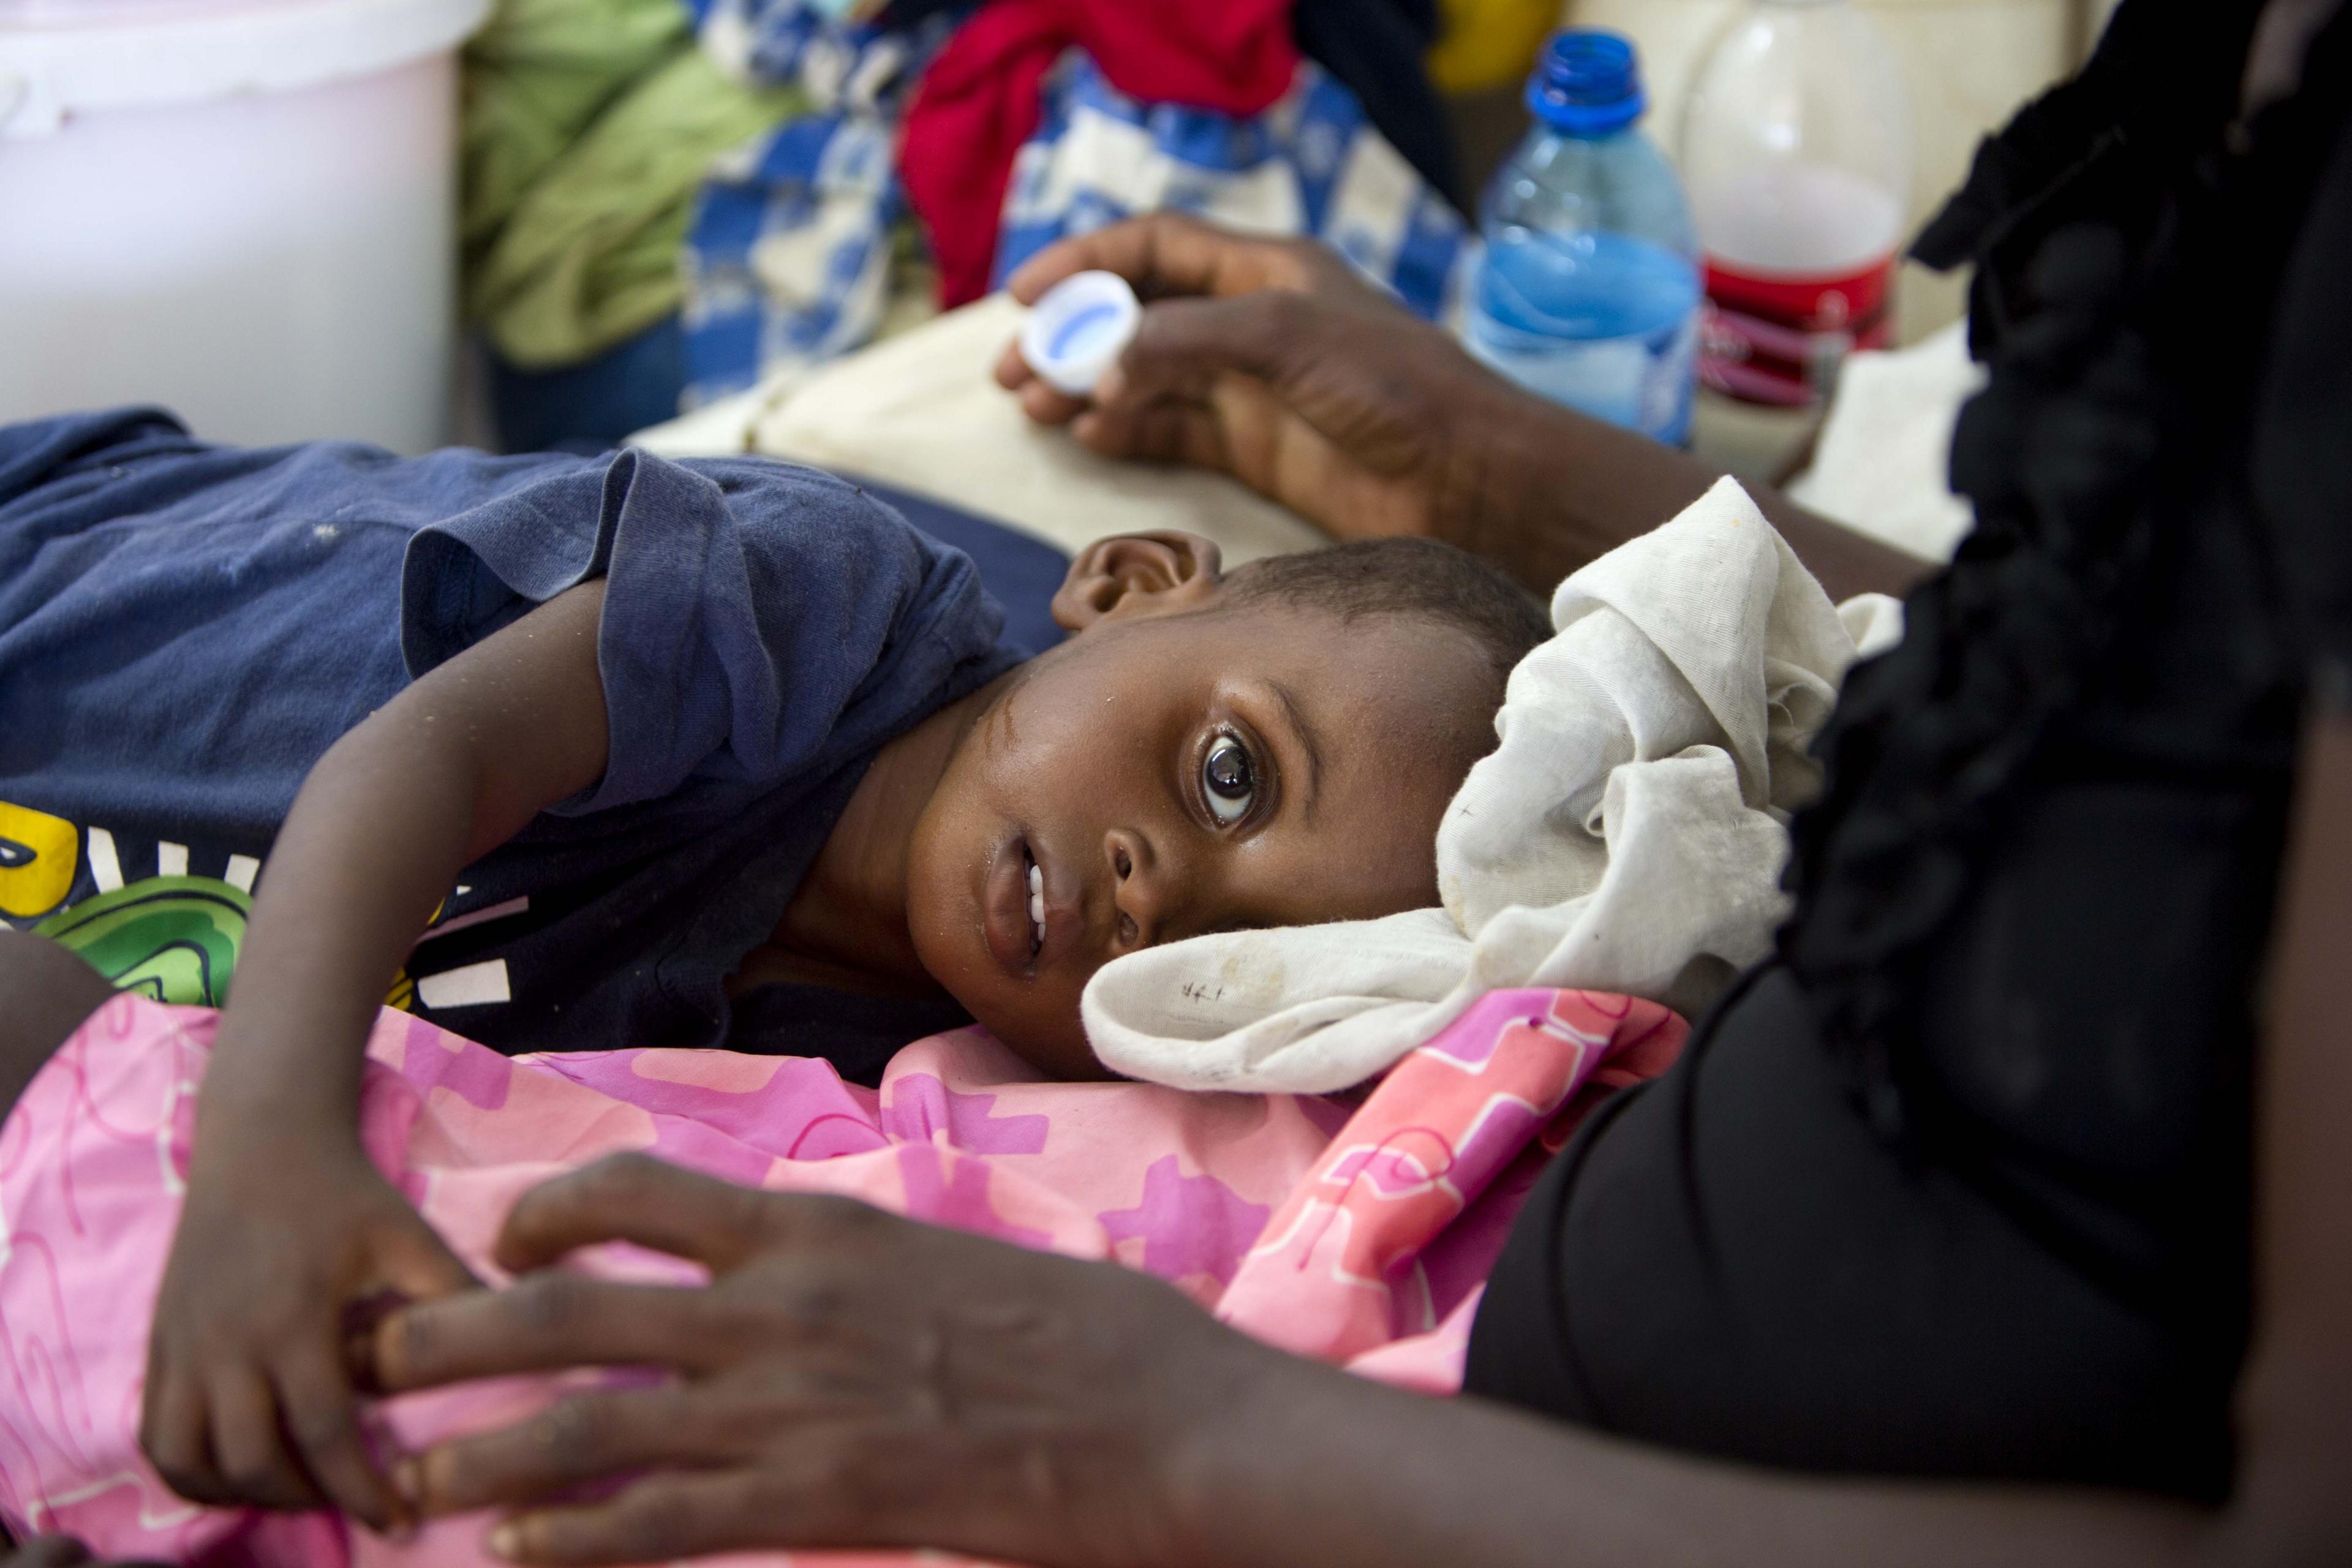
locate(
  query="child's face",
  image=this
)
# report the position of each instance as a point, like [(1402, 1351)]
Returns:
[(1170, 775)]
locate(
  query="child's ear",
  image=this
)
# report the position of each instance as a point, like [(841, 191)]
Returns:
[(1136, 574)]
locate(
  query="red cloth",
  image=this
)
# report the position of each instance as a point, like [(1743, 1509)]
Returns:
[(979, 100)]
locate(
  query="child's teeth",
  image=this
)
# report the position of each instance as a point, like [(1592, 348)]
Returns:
[(1037, 904)]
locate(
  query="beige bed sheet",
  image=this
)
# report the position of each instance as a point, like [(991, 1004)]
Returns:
[(922, 411)]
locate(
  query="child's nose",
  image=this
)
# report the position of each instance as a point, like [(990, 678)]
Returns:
[(1137, 890)]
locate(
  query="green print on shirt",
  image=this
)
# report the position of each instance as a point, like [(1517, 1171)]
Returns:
[(171, 939)]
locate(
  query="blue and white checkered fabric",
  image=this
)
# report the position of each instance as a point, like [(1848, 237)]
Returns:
[(1310, 165), (788, 260)]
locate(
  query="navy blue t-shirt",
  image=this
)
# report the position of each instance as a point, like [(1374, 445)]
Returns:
[(184, 629)]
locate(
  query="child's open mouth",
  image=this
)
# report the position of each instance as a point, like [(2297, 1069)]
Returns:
[(1015, 908), (1036, 908)]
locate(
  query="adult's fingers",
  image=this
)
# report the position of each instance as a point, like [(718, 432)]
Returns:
[(541, 1324), (1170, 253), (1170, 430), (322, 1417), (1039, 398), (250, 1442), (586, 1437), (59, 1551), (1182, 345), (635, 1198), (654, 1520)]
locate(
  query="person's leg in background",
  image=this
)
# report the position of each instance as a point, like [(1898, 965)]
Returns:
[(45, 994)]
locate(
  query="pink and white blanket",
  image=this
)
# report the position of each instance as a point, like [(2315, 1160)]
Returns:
[(1359, 1233)]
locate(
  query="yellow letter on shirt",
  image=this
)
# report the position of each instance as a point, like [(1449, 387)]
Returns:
[(38, 854)]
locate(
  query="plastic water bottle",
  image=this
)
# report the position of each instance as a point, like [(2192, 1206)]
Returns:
[(1588, 292), (1796, 143)]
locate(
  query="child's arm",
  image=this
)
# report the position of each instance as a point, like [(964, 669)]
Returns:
[(287, 1224)]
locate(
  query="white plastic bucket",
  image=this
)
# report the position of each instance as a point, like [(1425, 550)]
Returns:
[(244, 212)]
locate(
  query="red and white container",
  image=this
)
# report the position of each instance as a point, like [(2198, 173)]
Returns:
[(1797, 153)]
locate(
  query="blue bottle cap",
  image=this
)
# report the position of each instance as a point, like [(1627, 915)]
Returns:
[(1587, 82)]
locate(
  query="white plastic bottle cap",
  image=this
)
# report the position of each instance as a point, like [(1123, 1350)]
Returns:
[(1079, 328)]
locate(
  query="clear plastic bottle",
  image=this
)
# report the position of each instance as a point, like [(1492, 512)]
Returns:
[(1588, 289), (1796, 147)]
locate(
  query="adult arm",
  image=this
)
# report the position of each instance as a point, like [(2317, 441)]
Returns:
[(286, 1223), (854, 1379), (57, 1551), (1270, 360)]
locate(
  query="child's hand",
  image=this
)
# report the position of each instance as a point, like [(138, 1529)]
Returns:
[(286, 1226), (249, 1400)]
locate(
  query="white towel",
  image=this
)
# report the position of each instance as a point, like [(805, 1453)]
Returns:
[(1627, 835), (1882, 465)]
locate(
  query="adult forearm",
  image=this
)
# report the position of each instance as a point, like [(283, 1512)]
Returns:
[(1322, 1468), (1543, 491)]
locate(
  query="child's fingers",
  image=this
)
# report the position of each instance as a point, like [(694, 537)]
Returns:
[(248, 1442), (175, 1432), (323, 1418), (417, 1265), (584, 1438)]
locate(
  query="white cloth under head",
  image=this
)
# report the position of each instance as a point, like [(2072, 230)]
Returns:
[(1626, 835)]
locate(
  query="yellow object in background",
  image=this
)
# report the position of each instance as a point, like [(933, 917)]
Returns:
[(38, 855), (1483, 44)]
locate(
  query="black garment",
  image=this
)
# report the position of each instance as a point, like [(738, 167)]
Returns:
[(1979, 1207), (1375, 49), (858, 1034)]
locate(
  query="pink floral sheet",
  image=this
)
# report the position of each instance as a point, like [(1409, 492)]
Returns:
[(1360, 1234)]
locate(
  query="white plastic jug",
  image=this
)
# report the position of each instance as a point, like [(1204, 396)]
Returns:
[(1968, 65), (1797, 145), (245, 211)]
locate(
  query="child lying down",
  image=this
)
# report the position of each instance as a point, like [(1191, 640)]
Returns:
[(664, 754)]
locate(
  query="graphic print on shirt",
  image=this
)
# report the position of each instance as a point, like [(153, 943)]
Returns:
[(39, 856), (172, 937)]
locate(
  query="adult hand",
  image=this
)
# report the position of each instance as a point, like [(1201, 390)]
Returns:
[(1272, 361), (847, 1379), (248, 1401), (57, 1552)]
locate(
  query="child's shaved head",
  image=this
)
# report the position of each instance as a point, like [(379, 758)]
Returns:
[(1405, 577)]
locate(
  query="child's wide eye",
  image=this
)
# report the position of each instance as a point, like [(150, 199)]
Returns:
[(1228, 779)]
